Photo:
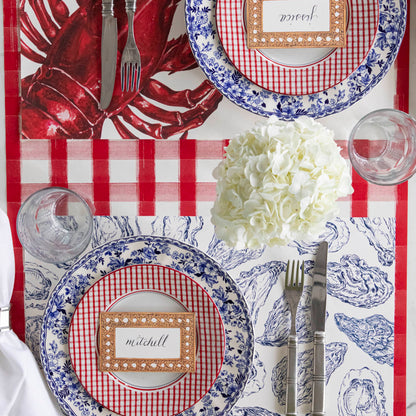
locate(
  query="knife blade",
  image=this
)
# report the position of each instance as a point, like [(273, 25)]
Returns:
[(318, 315), (108, 52)]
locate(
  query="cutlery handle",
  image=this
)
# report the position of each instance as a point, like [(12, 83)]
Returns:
[(318, 378), (291, 386), (107, 8), (130, 6)]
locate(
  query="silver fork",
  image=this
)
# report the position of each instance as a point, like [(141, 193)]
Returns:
[(130, 59), (293, 292)]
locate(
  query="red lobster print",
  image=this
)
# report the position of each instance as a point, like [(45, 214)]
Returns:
[(61, 99)]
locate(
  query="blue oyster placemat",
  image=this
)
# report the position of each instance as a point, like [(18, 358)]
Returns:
[(360, 308)]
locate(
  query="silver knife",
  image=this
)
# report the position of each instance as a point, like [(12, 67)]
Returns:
[(318, 327), (108, 53)]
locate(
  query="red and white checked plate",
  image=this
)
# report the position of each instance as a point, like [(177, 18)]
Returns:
[(363, 17), (119, 396)]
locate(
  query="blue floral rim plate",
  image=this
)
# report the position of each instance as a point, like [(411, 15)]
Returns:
[(54, 350), (209, 53)]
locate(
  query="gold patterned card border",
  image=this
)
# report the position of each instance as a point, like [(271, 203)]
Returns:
[(110, 321), (259, 39)]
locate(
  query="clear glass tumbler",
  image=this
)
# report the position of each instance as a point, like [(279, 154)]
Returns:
[(382, 147), (54, 225)]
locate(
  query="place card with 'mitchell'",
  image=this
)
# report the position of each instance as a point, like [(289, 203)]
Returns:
[(295, 23), (147, 341)]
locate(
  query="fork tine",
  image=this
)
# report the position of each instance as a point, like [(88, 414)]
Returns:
[(287, 274), (303, 273), (130, 70), (292, 280), (126, 82), (297, 275), (138, 76), (123, 77), (133, 76)]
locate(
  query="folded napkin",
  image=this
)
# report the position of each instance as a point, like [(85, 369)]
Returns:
[(23, 390)]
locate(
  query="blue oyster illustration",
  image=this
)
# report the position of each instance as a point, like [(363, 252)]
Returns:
[(229, 257), (32, 335), (257, 283), (362, 394), (110, 228), (277, 326), (334, 357), (256, 378), (252, 411), (38, 281), (355, 282), (381, 234), (374, 335), (336, 234), (180, 228), (304, 377)]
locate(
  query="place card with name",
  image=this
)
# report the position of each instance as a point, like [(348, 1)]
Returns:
[(147, 341), (295, 23)]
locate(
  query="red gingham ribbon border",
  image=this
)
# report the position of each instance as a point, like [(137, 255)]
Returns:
[(188, 188), (400, 315)]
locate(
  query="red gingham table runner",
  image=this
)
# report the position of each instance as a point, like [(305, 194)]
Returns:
[(301, 80), (112, 394), (57, 163)]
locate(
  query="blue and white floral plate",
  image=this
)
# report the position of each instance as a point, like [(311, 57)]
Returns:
[(207, 48), (227, 388)]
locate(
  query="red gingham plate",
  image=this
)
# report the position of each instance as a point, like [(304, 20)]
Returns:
[(297, 79), (112, 390)]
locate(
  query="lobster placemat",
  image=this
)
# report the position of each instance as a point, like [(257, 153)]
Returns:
[(61, 74)]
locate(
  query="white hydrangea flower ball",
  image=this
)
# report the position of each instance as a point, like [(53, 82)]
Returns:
[(279, 182)]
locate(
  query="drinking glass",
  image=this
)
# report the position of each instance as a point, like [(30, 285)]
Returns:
[(382, 147), (54, 224)]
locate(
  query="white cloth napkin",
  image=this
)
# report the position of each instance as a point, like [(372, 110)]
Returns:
[(23, 390)]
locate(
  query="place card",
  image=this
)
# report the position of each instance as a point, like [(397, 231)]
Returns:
[(147, 341), (295, 23)]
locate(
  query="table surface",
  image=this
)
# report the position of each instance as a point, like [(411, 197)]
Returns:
[(383, 95)]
